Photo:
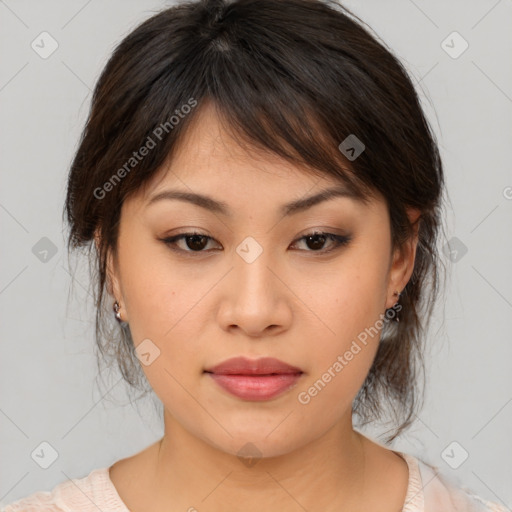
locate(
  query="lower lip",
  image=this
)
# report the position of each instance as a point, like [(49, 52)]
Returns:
[(256, 387)]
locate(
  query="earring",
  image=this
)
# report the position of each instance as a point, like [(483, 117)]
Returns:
[(116, 311)]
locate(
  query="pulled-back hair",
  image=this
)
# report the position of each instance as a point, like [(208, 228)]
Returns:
[(292, 77)]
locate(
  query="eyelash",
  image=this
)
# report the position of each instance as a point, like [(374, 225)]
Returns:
[(339, 240)]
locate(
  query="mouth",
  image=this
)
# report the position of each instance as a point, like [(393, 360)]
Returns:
[(261, 366), (256, 387), (249, 373), (256, 380)]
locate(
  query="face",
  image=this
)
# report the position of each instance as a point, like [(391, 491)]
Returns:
[(253, 284)]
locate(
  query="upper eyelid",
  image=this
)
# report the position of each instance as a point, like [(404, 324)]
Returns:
[(312, 232), (337, 239), (338, 231)]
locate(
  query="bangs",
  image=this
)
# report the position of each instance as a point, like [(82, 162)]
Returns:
[(271, 90)]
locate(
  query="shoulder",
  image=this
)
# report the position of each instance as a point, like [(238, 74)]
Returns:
[(435, 491), (89, 493)]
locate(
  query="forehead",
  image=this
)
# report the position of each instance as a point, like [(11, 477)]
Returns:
[(208, 160), (208, 147)]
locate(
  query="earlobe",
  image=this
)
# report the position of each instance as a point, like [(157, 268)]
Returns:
[(114, 290), (111, 280), (403, 260)]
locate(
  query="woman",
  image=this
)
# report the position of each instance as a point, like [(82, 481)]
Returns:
[(263, 195)]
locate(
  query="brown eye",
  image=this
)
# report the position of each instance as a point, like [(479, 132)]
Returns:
[(193, 242), (196, 242), (316, 241)]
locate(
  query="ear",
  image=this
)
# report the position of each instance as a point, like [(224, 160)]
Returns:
[(112, 281), (402, 264)]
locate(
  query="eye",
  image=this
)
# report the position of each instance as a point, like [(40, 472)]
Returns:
[(317, 239), (196, 242)]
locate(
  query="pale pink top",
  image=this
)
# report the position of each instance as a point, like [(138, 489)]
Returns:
[(428, 491)]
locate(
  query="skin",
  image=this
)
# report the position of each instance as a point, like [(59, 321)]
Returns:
[(293, 303)]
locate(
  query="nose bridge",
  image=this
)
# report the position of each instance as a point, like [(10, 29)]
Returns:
[(255, 297), (252, 271)]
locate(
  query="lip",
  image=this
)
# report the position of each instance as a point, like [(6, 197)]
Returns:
[(260, 379), (245, 366)]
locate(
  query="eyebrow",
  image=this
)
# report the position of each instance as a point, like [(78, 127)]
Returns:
[(222, 208)]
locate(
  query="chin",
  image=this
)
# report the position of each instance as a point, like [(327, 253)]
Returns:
[(255, 442)]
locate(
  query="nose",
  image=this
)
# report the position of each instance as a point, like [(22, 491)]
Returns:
[(256, 299)]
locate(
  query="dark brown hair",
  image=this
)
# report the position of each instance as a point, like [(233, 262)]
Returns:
[(293, 77)]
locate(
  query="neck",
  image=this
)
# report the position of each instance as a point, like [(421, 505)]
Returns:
[(325, 474)]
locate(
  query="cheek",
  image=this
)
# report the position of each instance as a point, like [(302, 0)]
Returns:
[(348, 307), (164, 307), (165, 311), (341, 359), (348, 299), (157, 294)]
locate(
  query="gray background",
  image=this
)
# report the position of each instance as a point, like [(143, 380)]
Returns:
[(47, 373)]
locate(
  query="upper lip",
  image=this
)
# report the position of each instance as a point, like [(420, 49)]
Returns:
[(244, 366)]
